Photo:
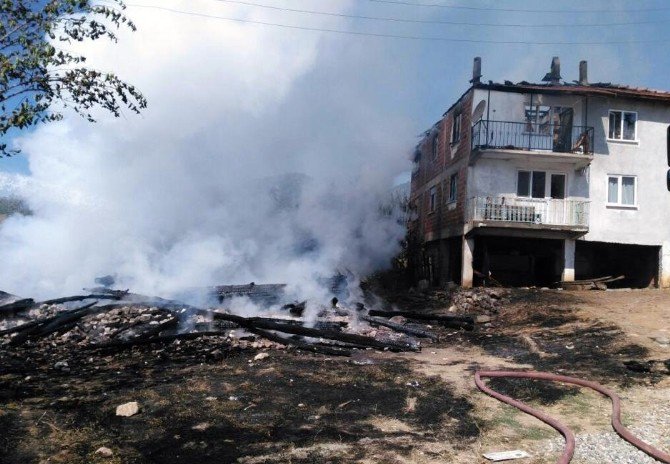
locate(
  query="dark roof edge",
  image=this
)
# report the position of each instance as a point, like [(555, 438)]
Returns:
[(598, 89)]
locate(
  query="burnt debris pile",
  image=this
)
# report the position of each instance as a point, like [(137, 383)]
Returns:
[(107, 319)]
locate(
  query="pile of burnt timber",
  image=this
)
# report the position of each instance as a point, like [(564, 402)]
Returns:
[(599, 283), (129, 320)]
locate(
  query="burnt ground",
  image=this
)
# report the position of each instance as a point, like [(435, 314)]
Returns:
[(204, 401), (238, 407)]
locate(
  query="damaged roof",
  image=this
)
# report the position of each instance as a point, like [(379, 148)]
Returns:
[(604, 89)]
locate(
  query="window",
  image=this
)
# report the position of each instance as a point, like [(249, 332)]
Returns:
[(622, 190), (557, 186), (622, 125), (538, 118), (531, 184), (453, 188), (432, 196), (456, 129), (435, 147)]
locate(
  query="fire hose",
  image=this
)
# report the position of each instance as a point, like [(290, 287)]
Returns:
[(562, 428)]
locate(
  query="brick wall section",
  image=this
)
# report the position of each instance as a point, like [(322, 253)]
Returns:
[(437, 172)]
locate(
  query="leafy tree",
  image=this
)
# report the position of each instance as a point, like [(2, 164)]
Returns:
[(35, 72)]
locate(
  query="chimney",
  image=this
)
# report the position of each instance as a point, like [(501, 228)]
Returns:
[(476, 71), (583, 73), (554, 76)]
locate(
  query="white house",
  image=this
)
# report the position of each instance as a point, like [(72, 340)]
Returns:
[(535, 183)]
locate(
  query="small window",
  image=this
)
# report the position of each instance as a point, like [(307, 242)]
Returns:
[(456, 129), (435, 147), (432, 197), (622, 125), (539, 184), (557, 186), (453, 188), (622, 190), (531, 184), (523, 184)]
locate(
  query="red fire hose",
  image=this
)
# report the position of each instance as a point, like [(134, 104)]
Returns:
[(562, 428)]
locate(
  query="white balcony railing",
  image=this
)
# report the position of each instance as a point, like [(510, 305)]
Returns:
[(552, 212)]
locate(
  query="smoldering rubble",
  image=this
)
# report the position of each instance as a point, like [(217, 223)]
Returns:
[(104, 319)]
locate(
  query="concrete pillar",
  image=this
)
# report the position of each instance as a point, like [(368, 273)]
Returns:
[(665, 265), (568, 274), (467, 274)]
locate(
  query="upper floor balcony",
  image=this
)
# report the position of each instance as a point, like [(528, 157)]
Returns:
[(553, 142), (529, 213)]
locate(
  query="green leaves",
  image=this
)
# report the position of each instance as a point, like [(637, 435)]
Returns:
[(35, 73)]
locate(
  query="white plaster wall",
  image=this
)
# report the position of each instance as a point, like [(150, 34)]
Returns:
[(509, 106), (491, 177), (649, 224)]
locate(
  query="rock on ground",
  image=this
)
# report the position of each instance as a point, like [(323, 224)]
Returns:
[(128, 409)]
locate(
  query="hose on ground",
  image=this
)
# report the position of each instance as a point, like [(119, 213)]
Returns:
[(569, 450)]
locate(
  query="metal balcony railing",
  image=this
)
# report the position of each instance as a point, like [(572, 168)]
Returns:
[(539, 211), (559, 138)]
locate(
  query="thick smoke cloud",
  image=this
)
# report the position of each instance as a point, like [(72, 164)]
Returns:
[(263, 157)]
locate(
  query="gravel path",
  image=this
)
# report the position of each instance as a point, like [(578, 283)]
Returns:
[(607, 447)]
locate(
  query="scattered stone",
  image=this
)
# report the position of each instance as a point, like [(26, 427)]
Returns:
[(483, 319), (201, 427), (410, 404), (261, 356), (479, 300), (104, 452), (128, 409), (661, 340), (62, 365)]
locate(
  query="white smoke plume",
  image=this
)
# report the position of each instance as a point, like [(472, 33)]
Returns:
[(263, 156)]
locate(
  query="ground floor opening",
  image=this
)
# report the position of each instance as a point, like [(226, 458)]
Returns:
[(522, 261), (517, 262), (639, 264), (441, 261)]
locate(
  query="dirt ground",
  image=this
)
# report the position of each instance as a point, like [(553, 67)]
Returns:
[(204, 402)]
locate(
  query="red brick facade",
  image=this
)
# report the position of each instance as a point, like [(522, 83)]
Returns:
[(435, 171)]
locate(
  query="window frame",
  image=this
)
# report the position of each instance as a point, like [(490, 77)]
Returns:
[(547, 184), (623, 112), (432, 199), (530, 196), (619, 204), (456, 126), (452, 198)]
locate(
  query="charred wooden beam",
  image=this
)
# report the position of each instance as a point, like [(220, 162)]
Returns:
[(17, 306), (455, 322), (260, 323), (52, 324), (95, 296), (313, 348), (400, 328)]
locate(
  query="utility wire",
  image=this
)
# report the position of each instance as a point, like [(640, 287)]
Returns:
[(391, 36), (515, 10), (437, 21)]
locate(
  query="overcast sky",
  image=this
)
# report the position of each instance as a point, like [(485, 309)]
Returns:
[(417, 79)]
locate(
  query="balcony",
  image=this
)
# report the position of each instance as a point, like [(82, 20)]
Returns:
[(529, 213), (548, 141)]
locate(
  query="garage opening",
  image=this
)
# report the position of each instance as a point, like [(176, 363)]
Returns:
[(638, 263), (518, 262)]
